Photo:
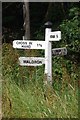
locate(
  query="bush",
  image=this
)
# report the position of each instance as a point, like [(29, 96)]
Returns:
[(71, 33)]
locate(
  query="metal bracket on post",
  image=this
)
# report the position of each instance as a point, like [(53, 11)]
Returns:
[(48, 54)]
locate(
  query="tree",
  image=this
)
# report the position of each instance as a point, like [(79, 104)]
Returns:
[(26, 20)]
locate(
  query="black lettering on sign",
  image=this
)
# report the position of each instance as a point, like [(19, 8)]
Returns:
[(58, 50), (30, 43), (18, 42), (28, 46), (56, 36), (40, 62), (52, 36), (22, 43), (32, 61), (36, 62), (25, 61), (40, 45)]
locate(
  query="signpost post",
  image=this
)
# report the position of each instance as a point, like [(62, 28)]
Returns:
[(48, 53), (46, 45), (49, 37)]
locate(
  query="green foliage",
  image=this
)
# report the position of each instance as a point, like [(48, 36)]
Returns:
[(12, 68), (9, 35), (33, 99), (28, 98), (65, 72), (38, 101), (0, 72), (70, 31)]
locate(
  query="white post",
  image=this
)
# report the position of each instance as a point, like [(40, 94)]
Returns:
[(48, 54)]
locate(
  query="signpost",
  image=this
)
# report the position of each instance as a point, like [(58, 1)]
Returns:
[(31, 61), (46, 45), (59, 51), (48, 54), (54, 36), (28, 44)]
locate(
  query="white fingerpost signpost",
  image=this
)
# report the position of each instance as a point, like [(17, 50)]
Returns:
[(49, 38), (48, 53), (45, 45)]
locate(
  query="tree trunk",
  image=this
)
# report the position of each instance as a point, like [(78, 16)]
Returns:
[(26, 20), (27, 34), (48, 12)]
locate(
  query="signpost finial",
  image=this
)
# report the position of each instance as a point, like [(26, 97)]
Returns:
[(48, 24)]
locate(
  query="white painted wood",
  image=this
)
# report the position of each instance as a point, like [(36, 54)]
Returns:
[(59, 51), (31, 61), (46, 45), (54, 36), (48, 56), (28, 44)]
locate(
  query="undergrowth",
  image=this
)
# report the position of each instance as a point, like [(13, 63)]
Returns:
[(26, 96)]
